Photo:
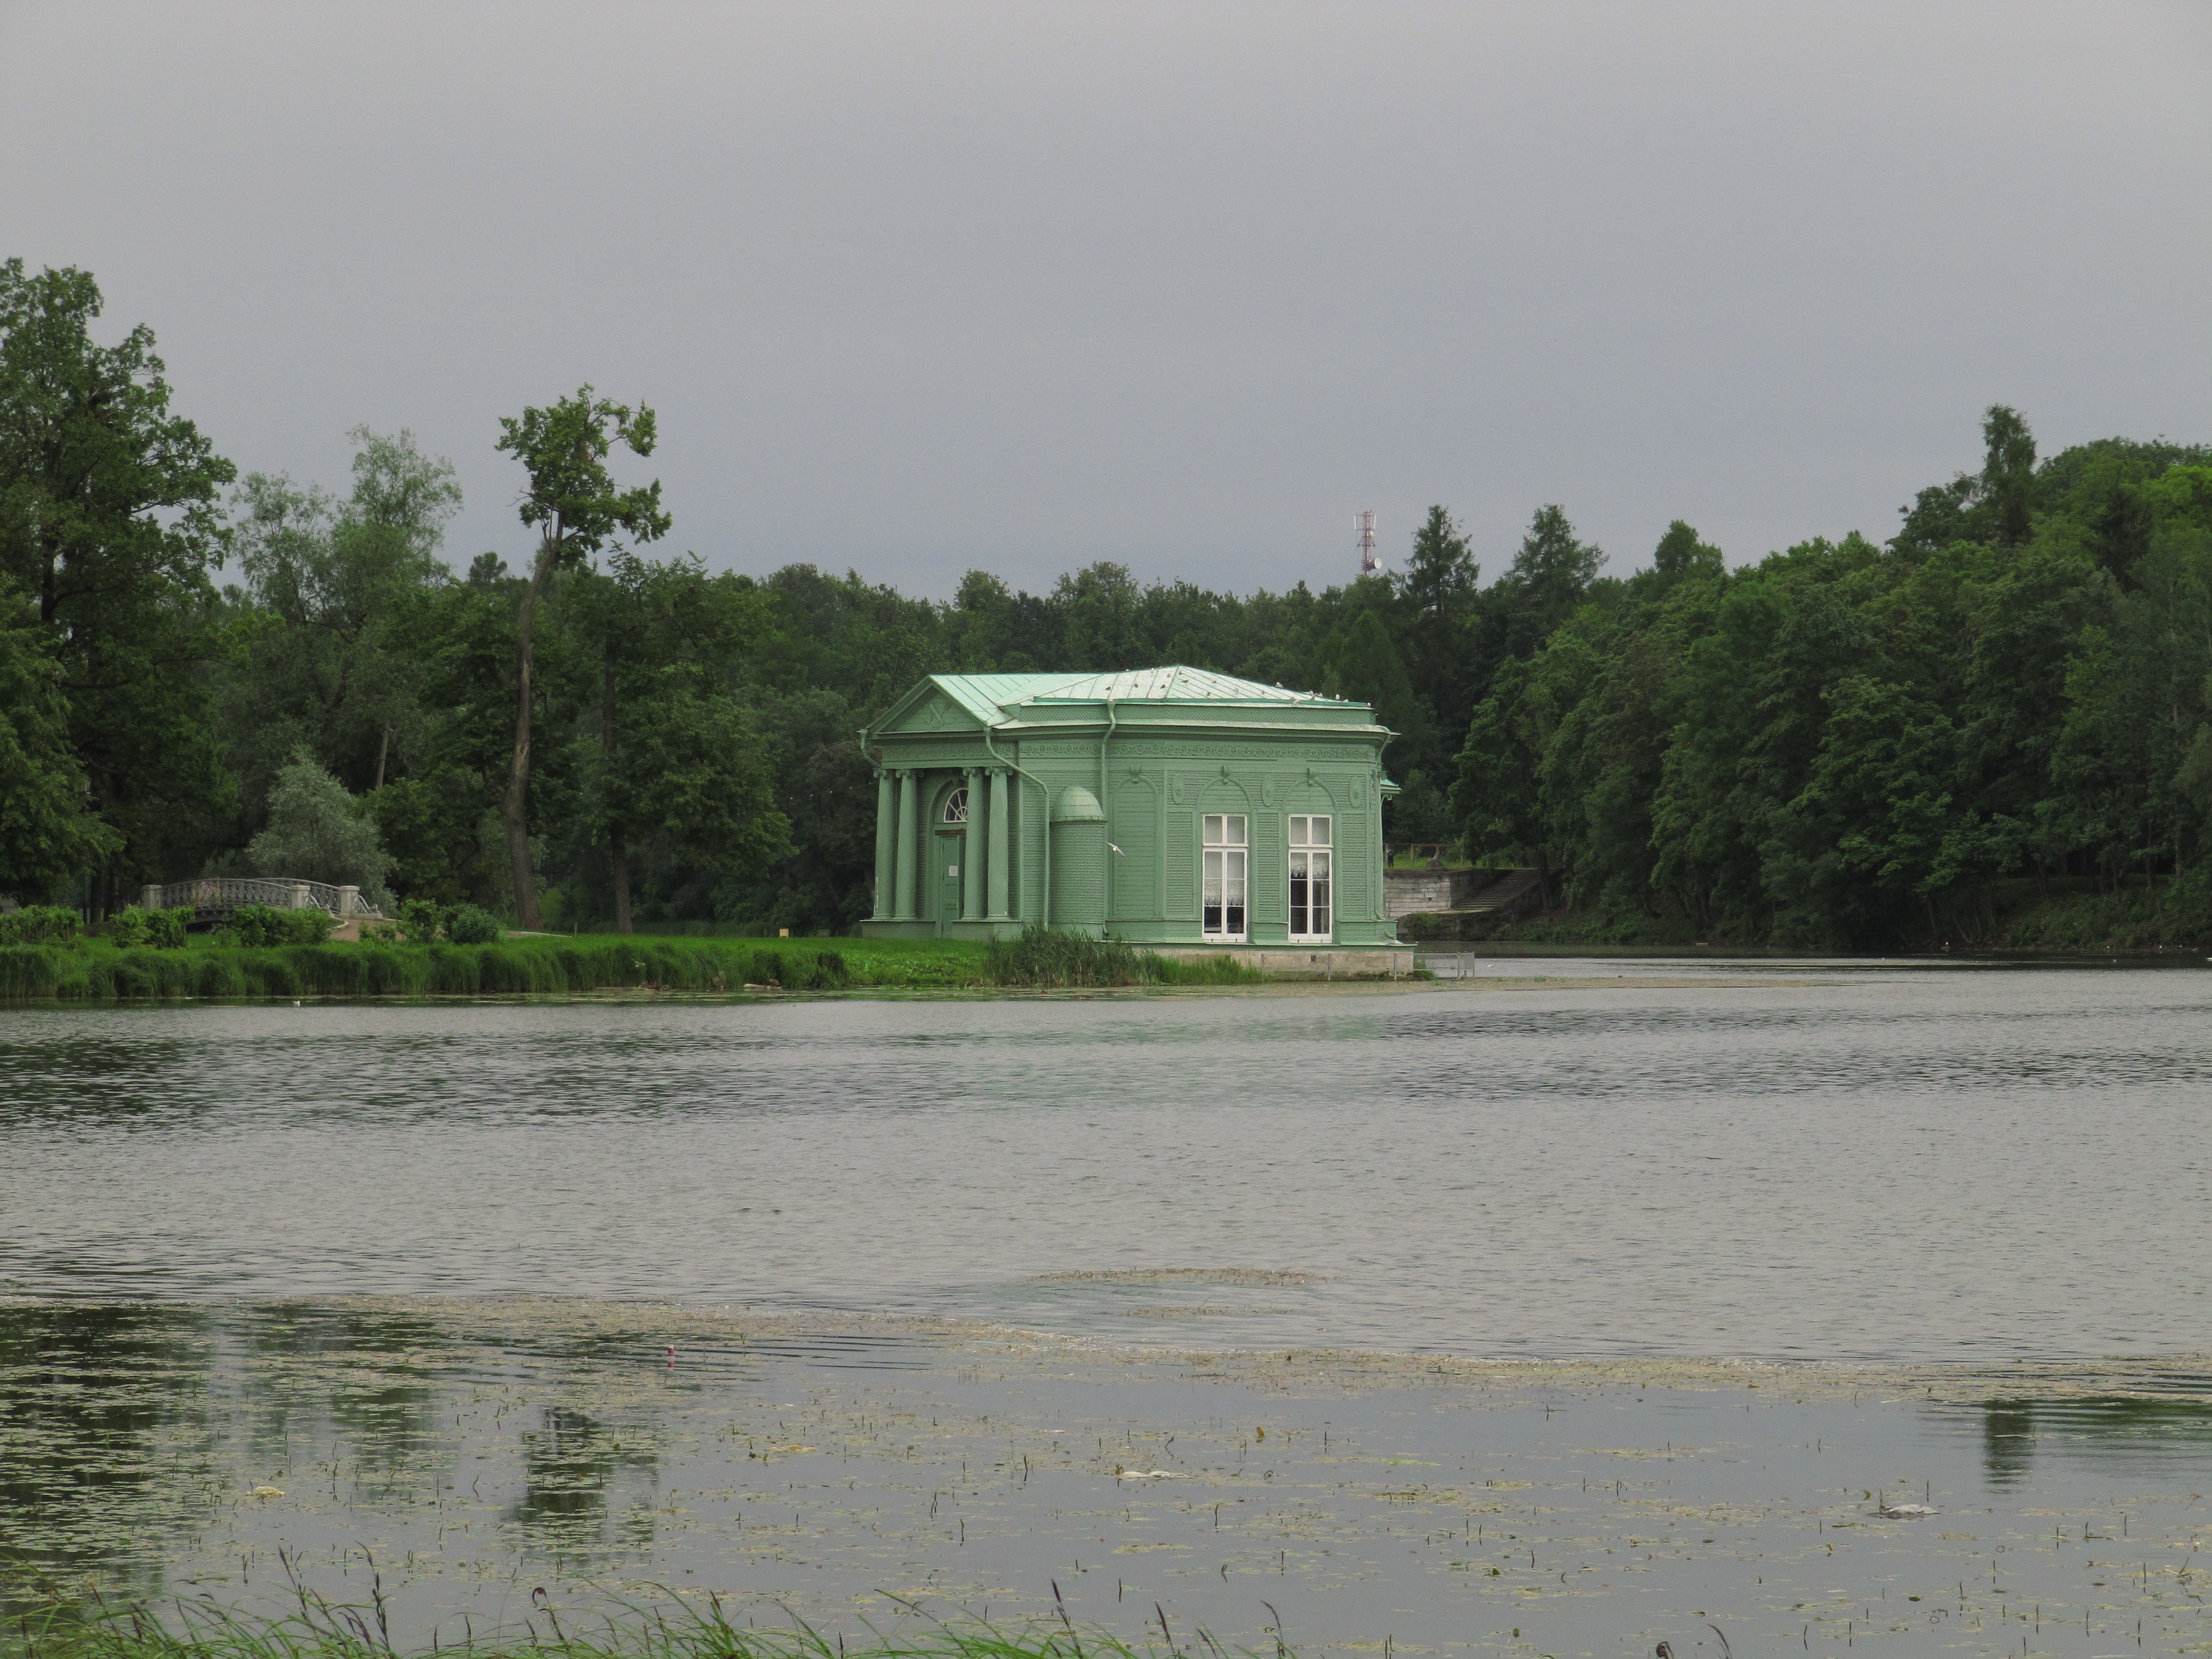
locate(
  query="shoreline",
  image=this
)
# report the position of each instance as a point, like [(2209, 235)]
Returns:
[(648, 995), (617, 968)]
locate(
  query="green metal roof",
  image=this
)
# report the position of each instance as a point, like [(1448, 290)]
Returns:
[(991, 697)]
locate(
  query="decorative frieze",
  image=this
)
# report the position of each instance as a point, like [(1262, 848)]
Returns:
[(934, 758), (1196, 749)]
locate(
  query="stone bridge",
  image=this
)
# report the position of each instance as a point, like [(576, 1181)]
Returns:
[(1456, 904), (214, 897)]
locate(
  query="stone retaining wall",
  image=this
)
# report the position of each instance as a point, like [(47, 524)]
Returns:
[(1304, 961)]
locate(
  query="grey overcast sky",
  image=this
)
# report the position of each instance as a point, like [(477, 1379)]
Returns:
[(921, 288)]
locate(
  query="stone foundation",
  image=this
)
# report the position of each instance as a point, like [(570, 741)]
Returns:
[(1303, 961)]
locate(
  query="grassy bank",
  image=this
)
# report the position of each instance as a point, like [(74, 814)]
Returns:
[(95, 970), (322, 1631)]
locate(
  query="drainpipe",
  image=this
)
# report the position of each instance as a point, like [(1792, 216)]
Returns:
[(993, 750), (1106, 794)]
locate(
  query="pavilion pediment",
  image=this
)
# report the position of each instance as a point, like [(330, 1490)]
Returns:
[(932, 712)]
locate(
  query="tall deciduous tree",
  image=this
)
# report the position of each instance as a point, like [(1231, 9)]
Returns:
[(2008, 473), (109, 521), (1681, 556), (675, 756), (573, 504), (48, 830), (318, 832), (1367, 667), (1102, 602), (328, 578)]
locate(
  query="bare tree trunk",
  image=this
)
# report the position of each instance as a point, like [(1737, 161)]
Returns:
[(1544, 877), (620, 849), (618, 843), (515, 803), (383, 748)]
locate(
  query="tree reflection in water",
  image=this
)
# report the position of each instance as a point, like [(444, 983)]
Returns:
[(2121, 1434)]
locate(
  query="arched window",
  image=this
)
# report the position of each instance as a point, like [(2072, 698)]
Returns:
[(956, 807)]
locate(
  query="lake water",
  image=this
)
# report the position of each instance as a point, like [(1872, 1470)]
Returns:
[(266, 1283), (492, 1467), (1819, 1163)]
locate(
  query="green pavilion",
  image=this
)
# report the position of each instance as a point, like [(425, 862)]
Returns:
[(1161, 806)]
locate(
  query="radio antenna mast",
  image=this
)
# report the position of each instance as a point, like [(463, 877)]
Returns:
[(1369, 564)]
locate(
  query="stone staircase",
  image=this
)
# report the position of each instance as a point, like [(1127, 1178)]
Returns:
[(1425, 892), (1455, 904)]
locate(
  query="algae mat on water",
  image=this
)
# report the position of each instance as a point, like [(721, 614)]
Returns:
[(485, 1467)]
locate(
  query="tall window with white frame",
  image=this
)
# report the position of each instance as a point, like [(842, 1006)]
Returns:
[(1226, 854), (1312, 915)]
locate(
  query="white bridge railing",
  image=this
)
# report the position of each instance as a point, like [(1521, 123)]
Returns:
[(216, 895)]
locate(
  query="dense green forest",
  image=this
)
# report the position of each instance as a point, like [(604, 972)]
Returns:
[(1845, 744)]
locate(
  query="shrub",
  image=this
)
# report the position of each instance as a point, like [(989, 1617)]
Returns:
[(39, 924), (158, 928), (256, 923), (164, 930), (467, 924), (421, 921), (264, 925)]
